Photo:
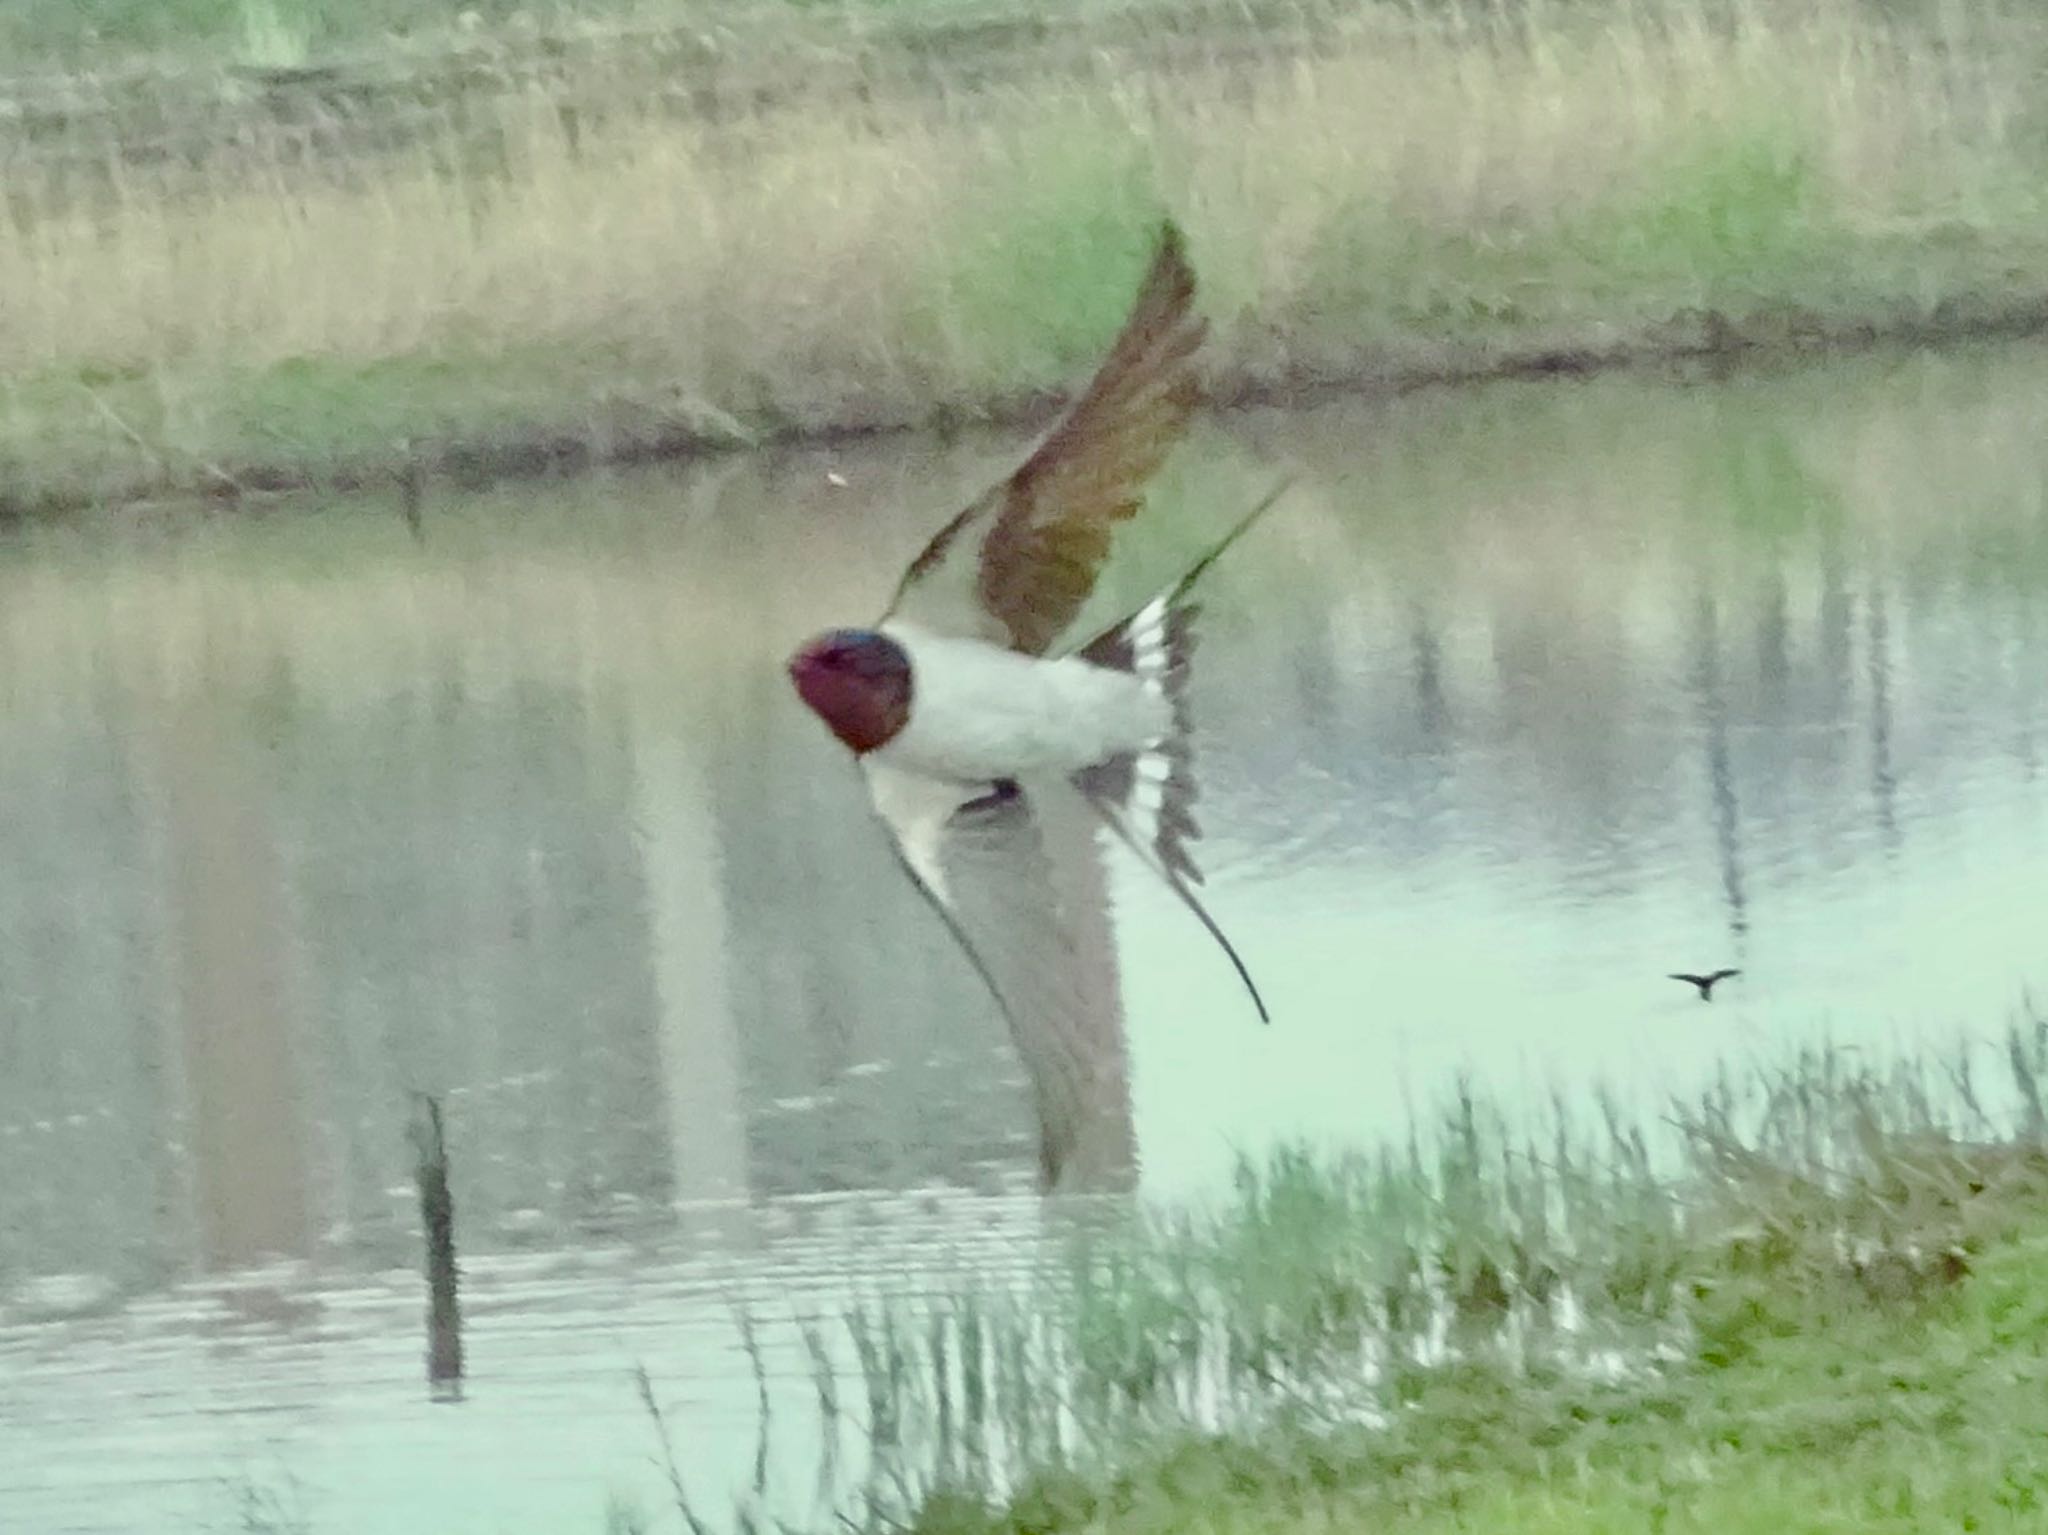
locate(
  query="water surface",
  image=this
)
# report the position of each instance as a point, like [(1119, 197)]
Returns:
[(1528, 695)]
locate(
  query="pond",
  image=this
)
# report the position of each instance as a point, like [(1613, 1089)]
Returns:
[(1524, 696)]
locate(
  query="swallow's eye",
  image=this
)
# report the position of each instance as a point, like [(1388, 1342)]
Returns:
[(854, 657)]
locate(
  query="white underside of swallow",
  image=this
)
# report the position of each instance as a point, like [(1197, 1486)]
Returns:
[(980, 713)]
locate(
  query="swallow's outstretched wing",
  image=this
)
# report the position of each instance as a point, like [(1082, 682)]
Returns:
[(982, 855), (979, 853), (1015, 567)]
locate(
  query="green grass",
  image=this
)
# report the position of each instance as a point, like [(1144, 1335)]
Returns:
[(1822, 1304), (1794, 1412)]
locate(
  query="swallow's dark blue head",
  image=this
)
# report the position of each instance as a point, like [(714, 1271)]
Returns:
[(857, 682)]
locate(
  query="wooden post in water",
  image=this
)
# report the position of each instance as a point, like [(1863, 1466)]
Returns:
[(437, 1221)]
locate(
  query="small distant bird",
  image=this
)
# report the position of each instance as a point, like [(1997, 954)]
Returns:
[(968, 715), (1705, 983)]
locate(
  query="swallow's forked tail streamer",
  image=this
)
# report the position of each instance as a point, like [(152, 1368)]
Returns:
[(1145, 796)]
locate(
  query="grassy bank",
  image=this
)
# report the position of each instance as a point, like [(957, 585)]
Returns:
[(1400, 194), (1818, 1305), (1796, 1412)]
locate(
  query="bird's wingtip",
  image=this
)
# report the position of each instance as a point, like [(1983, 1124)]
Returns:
[(1170, 251)]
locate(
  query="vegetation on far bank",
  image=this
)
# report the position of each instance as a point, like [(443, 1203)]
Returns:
[(585, 266), (94, 35), (1819, 1305)]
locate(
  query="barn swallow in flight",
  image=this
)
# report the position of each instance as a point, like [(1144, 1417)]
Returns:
[(1706, 983), (968, 714)]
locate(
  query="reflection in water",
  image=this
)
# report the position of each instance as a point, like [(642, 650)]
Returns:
[(1432, 711), (688, 945), (1713, 705), (1883, 783), (1073, 1046), (228, 910), (306, 819)]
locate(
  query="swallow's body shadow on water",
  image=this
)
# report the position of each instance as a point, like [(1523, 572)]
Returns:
[(970, 720)]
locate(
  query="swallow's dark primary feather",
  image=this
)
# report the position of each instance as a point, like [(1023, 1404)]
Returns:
[(1016, 566), (1705, 983)]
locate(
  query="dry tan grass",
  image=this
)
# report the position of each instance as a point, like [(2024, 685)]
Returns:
[(1438, 180)]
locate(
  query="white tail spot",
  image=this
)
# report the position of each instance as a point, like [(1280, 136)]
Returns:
[(1149, 654)]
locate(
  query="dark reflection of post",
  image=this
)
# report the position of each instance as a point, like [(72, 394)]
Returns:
[(1774, 646), (686, 920), (1883, 781), (1710, 689), (1082, 1083), (228, 918), (1432, 707), (2021, 677), (1837, 645)]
